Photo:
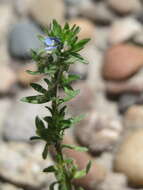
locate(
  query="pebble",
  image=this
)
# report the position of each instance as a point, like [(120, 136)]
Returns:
[(24, 78), (6, 20), (83, 102), (7, 186), (128, 159), (20, 125), (131, 6), (133, 85), (99, 132), (5, 104), (44, 11), (23, 38), (133, 117), (96, 174), (138, 38), (87, 27), (22, 165), (121, 61), (123, 29), (114, 181), (98, 12), (127, 100), (22, 7), (7, 79)]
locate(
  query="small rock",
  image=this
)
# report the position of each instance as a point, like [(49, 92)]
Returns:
[(24, 165), (50, 10), (99, 132), (101, 37), (138, 38), (6, 20), (24, 78), (114, 181), (5, 104), (123, 29), (127, 100), (98, 12), (121, 61), (133, 117), (22, 7), (128, 159), (96, 173), (7, 186), (20, 125), (83, 101), (23, 38), (132, 85), (87, 27), (121, 7), (7, 79), (106, 160)]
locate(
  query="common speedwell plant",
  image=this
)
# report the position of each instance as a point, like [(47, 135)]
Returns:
[(60, 50)]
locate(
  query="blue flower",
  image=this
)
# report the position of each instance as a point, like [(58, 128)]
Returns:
[(51, 43)]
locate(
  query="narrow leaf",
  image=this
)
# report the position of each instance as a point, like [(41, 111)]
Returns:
[(39, 123), (79, 174), (88, 166), (33, 72), (78, 148), (49, 169), (53, 185), (77, 119), (39, 99), (38, 88), (34, 138), (45, 151)]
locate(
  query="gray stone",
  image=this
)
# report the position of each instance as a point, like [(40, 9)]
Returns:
[(97, 12), (4, 105), (123, 29), (44, 11), (127, 100), (114, 181), (22, 38), (20, 123), (22, 165), (7, 186), (99, 132)]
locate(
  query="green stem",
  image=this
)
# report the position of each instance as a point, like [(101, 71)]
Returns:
[(66, 182)]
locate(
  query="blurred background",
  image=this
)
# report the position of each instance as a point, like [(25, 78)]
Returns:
[(111, 92)]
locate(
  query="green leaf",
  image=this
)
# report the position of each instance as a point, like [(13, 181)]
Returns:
[(33, 72), (39, 99), (79, 45), (80, 188), (77, 119), (88, 166), (45, 151), (78, 148), (79, 57), (53, 185), (70, 94), (39, 123), (49, 169), (79, 174), (34, 138), (57, 29), (38, 88), (40, 37), (48, 82), (69, 79)]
